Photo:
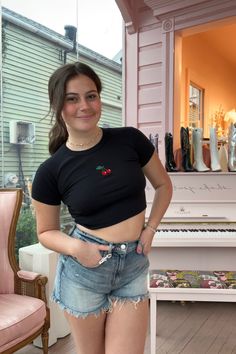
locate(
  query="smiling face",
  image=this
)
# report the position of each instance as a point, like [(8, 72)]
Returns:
[(82, 106)]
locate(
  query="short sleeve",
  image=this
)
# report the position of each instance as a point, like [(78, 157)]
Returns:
[(143, 146), (44, 187)]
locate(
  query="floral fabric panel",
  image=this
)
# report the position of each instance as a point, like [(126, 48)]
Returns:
[(165, 278)]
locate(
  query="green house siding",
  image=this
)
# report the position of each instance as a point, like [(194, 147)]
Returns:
[(28, 61)]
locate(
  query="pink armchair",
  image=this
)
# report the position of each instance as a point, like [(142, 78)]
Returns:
[(23, 311)]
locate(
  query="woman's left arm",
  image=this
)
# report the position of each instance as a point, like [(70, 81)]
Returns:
[(158, 177)]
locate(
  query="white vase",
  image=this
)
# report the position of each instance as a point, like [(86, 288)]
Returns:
[(215, 161), (223, 158)]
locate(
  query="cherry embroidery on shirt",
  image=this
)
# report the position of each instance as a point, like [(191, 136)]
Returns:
[(104, 171)]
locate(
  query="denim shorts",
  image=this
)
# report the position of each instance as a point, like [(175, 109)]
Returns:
[(83, 291)]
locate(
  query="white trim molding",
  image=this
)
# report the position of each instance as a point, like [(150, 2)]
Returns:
[(187, 13), (163, 8), (128, 15)]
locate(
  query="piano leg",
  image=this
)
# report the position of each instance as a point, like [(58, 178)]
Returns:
[(153, 319)]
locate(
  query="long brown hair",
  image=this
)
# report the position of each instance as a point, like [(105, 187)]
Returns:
[(56, 92)]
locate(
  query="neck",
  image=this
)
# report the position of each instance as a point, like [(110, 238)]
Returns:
[(76, 143)]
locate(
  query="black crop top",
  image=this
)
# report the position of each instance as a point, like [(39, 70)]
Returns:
[(101, 186)]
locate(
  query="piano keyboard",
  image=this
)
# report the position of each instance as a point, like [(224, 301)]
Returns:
[(200, 234)]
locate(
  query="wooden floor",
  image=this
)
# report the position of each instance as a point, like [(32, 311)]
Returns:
[(193, 328)]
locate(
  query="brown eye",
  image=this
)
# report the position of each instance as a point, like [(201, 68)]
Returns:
[(92, 97), (72, 99)]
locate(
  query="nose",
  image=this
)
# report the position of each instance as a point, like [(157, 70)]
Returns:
[(83, 104)]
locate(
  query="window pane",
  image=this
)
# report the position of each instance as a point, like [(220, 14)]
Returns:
[(195, 106)]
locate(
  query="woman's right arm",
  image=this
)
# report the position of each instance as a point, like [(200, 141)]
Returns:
[(50, 236), (48, 229)]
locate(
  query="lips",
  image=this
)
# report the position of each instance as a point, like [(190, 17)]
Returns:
[(86, 117)]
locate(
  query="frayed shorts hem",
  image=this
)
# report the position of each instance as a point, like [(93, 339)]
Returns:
[(135, 300), (78, 314), (113, 302)]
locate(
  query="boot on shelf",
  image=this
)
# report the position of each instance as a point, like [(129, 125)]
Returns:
[(185, 150), (198, 164), (232, 148), (223, 157), (170, 164), (214, 153), (154, 140)]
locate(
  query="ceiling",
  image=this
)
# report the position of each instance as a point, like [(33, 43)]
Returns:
[(223, 40)]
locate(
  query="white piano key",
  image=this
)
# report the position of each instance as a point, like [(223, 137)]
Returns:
[(195, 235)]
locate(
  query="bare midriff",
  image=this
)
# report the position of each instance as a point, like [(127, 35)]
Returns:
[(124, 231)]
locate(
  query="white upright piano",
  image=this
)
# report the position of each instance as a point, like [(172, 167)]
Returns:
[(198, 231)]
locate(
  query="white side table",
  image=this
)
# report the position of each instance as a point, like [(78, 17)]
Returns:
[(41, 260)]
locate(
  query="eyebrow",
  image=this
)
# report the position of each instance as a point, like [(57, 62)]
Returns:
[(75, 93)]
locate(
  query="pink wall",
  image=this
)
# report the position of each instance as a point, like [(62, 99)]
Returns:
[(143, 75), (150, 66)]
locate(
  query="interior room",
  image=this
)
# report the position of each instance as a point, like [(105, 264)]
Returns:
[(205, 86)]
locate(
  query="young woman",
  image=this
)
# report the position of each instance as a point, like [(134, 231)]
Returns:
[(101, 280)]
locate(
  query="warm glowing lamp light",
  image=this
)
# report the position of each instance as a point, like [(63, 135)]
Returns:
[(230, 116)]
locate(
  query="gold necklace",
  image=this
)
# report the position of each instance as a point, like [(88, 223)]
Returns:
[(84, 145)]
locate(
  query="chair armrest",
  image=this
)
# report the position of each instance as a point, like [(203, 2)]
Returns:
[(27, 275), (31, 284)]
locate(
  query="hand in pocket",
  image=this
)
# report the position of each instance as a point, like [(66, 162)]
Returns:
[(89, 253)]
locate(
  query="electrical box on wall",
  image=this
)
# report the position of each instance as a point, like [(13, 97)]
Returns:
[(22, 132)]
